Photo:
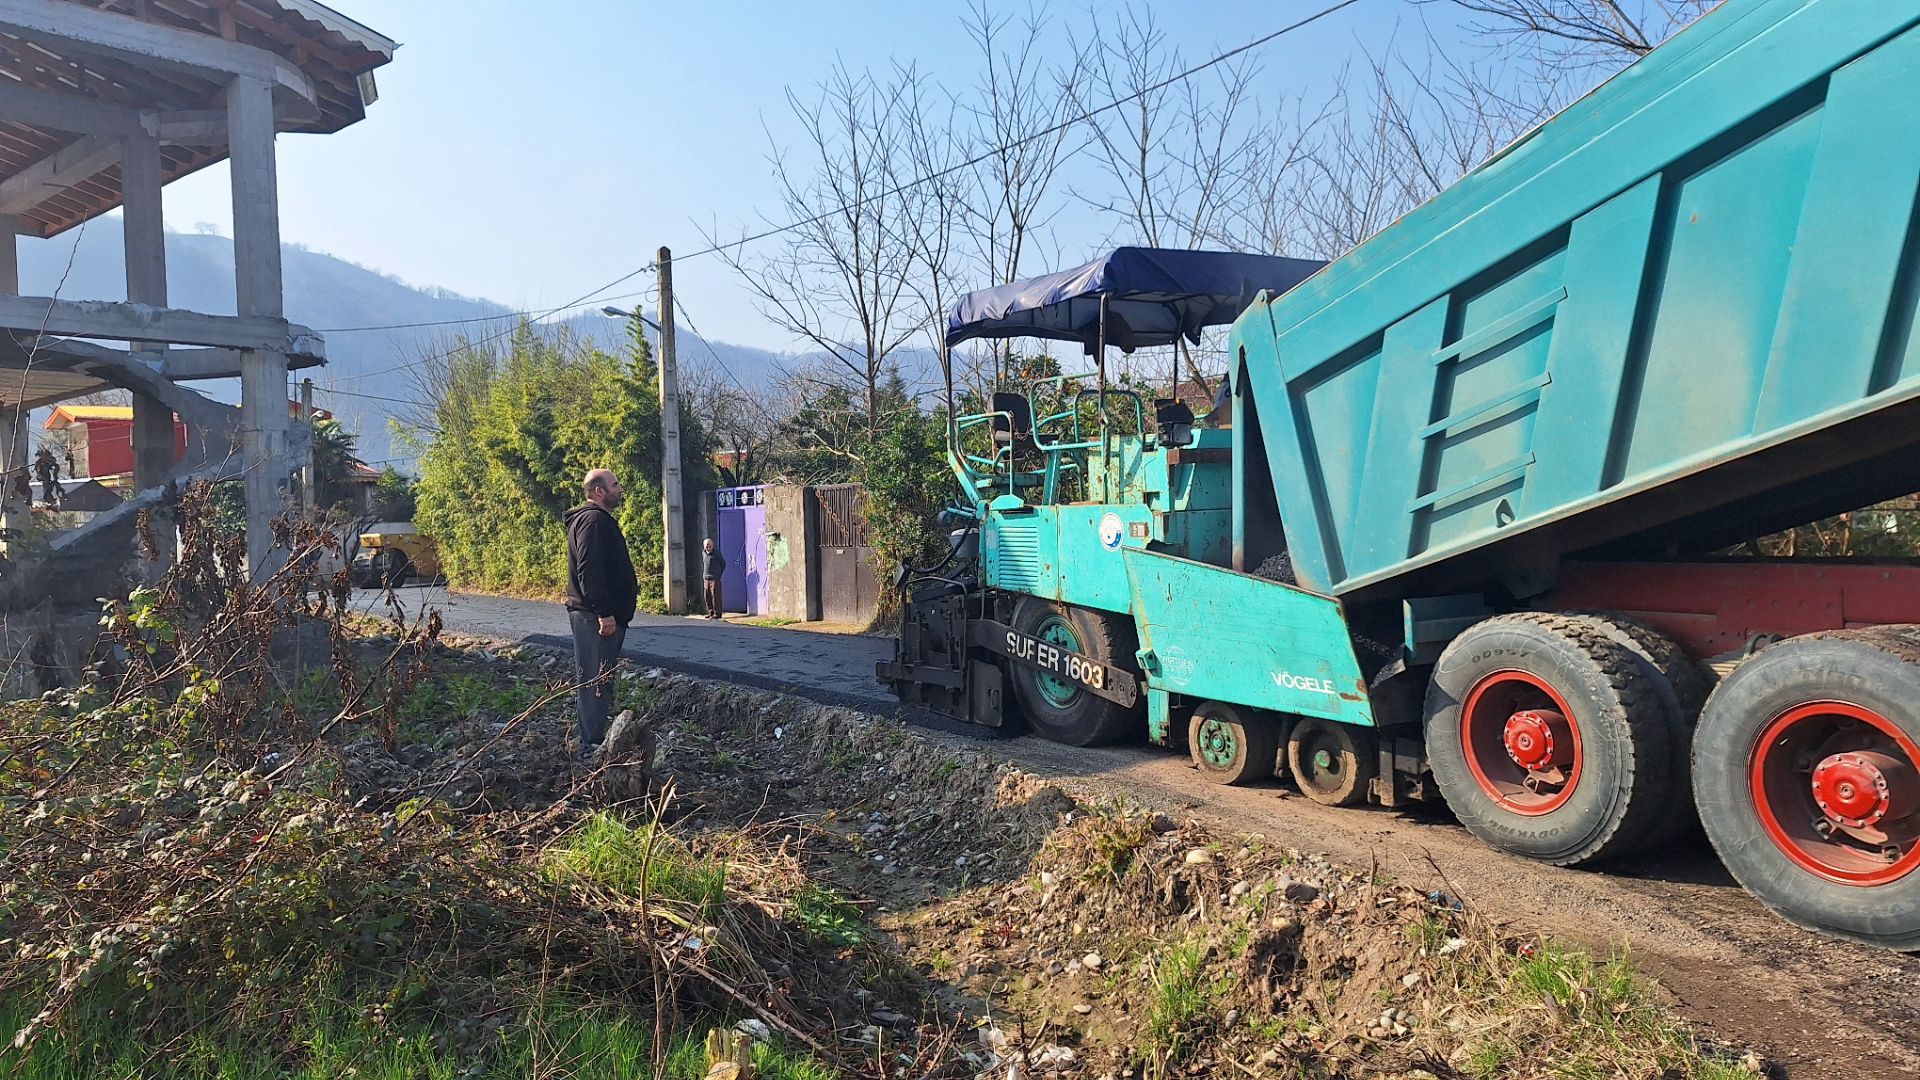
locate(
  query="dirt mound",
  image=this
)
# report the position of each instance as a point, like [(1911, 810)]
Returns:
[(1067, 936)]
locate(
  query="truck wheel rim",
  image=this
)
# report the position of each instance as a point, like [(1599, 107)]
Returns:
[(1836, 787), (1323, 756), (1220, 743), (1056, 630), (1521, 742)]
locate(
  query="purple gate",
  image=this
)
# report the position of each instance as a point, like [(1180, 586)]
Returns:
[(742, 539)]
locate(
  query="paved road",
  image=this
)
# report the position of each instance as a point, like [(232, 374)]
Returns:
[(834, 669), (1821, 1008)]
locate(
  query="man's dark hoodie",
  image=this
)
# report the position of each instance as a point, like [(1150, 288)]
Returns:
[(600, 575)]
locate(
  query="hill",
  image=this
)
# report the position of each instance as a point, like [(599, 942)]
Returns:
[(369, 374)]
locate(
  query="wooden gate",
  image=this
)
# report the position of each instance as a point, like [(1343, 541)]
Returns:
[(849, 590)]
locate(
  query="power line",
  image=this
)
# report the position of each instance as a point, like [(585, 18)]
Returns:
[(590, 297), (1031, 137), (372, 397), (731, 377), (904, 186), (473, 319)]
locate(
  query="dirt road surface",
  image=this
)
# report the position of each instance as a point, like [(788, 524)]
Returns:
[(1815, 1007)]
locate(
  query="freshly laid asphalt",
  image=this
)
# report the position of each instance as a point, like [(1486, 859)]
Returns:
[(829, 668)]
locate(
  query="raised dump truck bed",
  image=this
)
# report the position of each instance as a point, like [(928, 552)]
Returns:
[(1677, 315)]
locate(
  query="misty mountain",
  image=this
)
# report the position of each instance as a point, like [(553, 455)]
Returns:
[(360, 383)]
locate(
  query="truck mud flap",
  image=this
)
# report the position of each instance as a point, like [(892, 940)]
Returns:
[(1101, 680)]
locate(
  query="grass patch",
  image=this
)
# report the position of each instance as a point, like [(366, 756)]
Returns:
[(1585, 1016), (635, 861), (583, 1042), (1181, 1005), (771, 620), (827, 916), (1114, 847)]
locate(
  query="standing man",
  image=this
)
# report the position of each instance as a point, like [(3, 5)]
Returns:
[(601, 594), (712, 566)]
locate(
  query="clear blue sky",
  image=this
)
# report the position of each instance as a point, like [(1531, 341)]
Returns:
[(527, 153)]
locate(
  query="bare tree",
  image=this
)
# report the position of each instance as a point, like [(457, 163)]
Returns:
[(842, 275), (1407, 131), (1609, 32), (936, 162), (745, 422), (1023, 112), (1179, 152), (1023, 115)]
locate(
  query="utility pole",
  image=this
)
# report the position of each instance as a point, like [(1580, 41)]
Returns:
[(672, 520), (309, 470)]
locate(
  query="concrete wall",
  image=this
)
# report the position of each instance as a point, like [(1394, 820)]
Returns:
[(792, 539)]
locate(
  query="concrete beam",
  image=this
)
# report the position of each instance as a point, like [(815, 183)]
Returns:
[(23, 104), (187, 365), (76, 26), (78, 160), (139, 322), (190, 127)]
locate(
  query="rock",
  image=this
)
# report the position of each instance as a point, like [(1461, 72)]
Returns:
[(1091, 961), (1299, 892), (1053, 1054), (1047, 879), (1083, 1008), (1055, 967), (1199, 856), (1161, 824), (887, 1017), (1240, 888), (1410, 980), (1233, 1015), (755, 1030)]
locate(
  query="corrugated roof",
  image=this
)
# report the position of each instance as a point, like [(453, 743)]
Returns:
[(335, 53), (64, 415)]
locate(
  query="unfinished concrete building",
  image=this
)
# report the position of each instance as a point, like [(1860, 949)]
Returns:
[(102, 104)]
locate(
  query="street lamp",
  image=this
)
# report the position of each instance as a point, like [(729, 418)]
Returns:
[(620, 313)]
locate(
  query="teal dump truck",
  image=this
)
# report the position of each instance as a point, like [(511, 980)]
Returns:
[(1476, 516)]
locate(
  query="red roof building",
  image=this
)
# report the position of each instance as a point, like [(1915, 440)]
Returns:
[(101, 437)]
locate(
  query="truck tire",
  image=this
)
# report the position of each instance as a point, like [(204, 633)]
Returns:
[(392, 570), (1805, 775), (1333, 763), (1232, 744), (1548, 738), (1682, 687), (1061, 712)]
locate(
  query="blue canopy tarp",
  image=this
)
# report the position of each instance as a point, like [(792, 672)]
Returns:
[(1155, 296)]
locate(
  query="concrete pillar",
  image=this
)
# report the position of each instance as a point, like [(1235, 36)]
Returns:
[(14, 514), (146, 257), (9, 255), (257, 291)]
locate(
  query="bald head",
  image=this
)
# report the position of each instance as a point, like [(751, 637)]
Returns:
[(602, 489)]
